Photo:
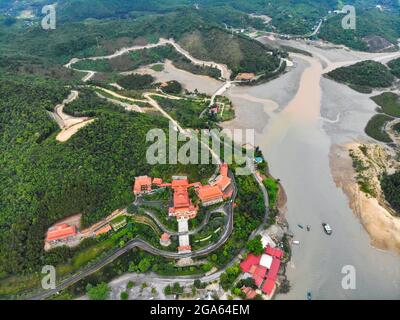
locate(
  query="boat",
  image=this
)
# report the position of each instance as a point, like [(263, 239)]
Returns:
[(309, 296)]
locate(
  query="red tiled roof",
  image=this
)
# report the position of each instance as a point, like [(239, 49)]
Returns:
[(223, 182), (60, 231), (268, 286), (180, 183), (165, 236), (249, 292), (259, 271), (251, 260), (103, 230), (258, 280), (224, 169), (142, 183), (273, 271), (157, 181), (274, 252), (208, 193), (181, 198), (184, 248)]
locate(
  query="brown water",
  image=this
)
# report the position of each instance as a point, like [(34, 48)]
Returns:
[(297, 149)]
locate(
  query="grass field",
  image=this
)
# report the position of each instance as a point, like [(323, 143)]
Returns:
[(158, 67), (389, 102), (376, 128), (272, 189)]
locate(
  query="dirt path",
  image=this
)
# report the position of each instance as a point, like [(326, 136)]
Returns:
[(225, 72), (68, 124)]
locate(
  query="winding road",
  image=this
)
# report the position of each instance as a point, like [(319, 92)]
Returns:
[(139, 243)]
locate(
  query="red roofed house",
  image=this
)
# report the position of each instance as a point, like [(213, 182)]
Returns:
[(142, 185), (268, 287), (223, 169), (247, 263), (103, 230), (223, 181), (258, 273), (157, 181), (165, 239), (273, 271), (61, 232), (210, 195), (249, 292), (274, 252), (183, 207), (257, 267)]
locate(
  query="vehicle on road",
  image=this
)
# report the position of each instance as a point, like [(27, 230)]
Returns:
[(327, 228)]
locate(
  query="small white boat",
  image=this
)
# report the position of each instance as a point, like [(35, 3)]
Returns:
[(296, 242)]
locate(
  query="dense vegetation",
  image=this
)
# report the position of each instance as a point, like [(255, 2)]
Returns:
[(394, 66), (391, 188), (389, 102), (144, 57), (173, 87), (376, 128), (90, 105), (136, 82), (371, 22), (239, 53), (186, 112), (368, 74), (297, 17), (95, 168)]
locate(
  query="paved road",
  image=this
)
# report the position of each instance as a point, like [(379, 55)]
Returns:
[(141, 244), (191, 232)]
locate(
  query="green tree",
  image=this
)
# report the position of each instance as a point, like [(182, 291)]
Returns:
[(98, 292), (144, 265), (255, 246), (124, 295)]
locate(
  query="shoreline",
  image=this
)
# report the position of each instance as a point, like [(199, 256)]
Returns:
[(382, 227)]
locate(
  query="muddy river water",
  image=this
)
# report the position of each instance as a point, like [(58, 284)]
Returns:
[(288, 117), (297, 147)]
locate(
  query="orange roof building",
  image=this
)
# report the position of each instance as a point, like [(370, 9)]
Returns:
[(180, 183), (103, 230), (223, 181), (184, 248), (142, 185), (249, 292), (165, 239), (157, 181), (183, 207), (223, 168), (210, 195), (61, 232)]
